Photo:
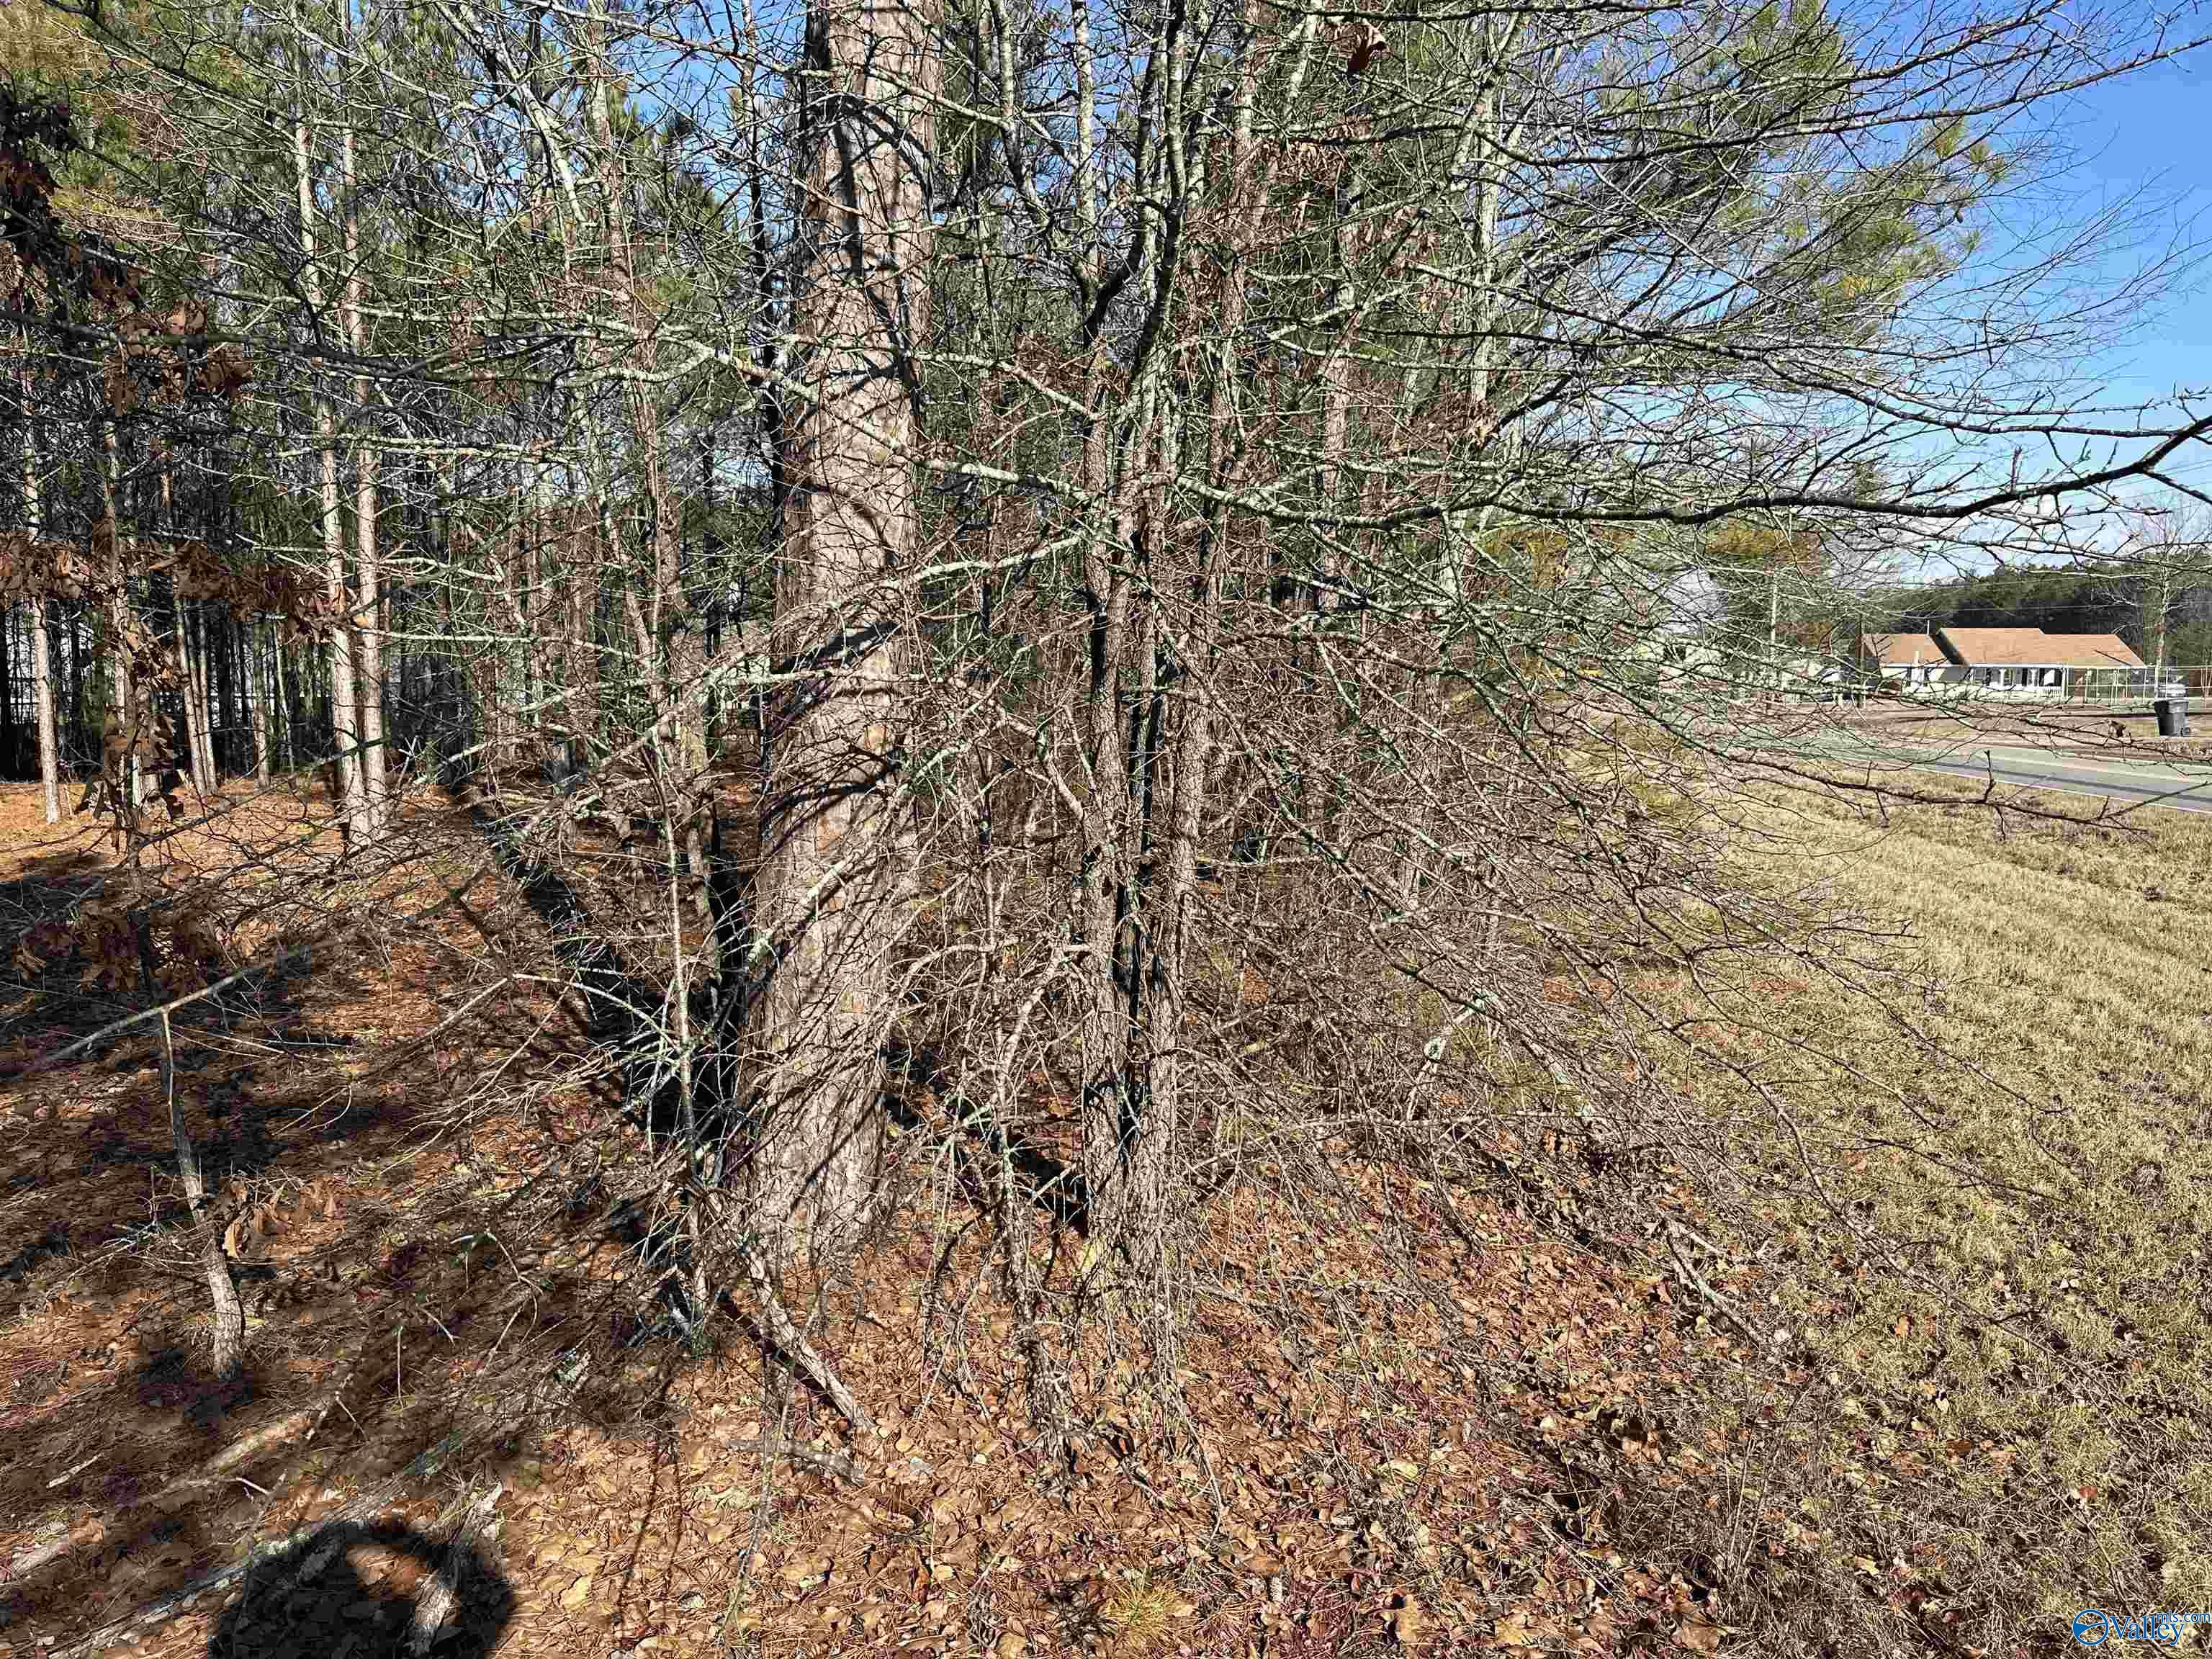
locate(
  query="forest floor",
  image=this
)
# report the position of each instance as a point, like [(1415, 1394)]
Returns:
[(1925, 1372)]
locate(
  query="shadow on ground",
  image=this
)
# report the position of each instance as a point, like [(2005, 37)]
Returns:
[(360, 1590)]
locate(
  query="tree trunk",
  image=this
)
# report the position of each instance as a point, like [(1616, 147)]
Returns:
[(9, 743), (345, 741), (225, 718), (42, 672), (42, 696), (227, 1313), (287, 752), (1105, 873), (369, 667), (255, 672), (74, 631), (208, 667), (832, 848), (122, 739), (582, 670), (192, 666), (195, 711)]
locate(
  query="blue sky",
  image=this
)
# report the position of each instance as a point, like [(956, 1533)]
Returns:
[(2152, 131), (2140, 146)]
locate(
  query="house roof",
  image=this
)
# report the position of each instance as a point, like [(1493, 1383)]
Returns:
[(1900, 650), (2031, 648)]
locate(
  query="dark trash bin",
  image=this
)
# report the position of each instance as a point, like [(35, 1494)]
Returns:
[(2173, 706)]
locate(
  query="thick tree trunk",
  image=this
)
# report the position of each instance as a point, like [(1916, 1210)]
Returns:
[(832, 849)]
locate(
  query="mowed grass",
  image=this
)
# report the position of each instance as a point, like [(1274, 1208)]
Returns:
[(1967, 1182)]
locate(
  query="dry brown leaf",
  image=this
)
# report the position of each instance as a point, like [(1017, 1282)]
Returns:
[(1405, 1620), (1699, 1636), (573, 1597)]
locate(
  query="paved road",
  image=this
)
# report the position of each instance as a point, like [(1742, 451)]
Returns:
[(2138, 782)]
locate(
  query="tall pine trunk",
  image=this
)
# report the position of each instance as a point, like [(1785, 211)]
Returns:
[(122, 741), (255, 672), (369, 666), (345, 740), (42, 672), (42, 697), (832, 849)]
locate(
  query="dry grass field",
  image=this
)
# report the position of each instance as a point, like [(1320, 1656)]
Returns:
[(1968, 1196)]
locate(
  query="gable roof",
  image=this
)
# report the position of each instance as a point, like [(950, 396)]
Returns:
[(2031, 648), (1900, 650), (2096, 650)]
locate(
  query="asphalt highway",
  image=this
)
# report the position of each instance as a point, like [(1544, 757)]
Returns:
[(2137, 782)]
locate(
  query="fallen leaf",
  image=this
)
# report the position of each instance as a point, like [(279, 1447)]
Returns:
[(806, 1567), (1405, 1623), (1699, 1636), (573, 1597)]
